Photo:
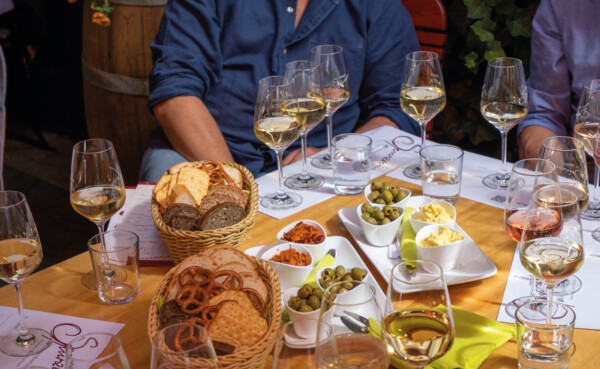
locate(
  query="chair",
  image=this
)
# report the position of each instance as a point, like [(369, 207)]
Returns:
[(429, 18), (2, 112)]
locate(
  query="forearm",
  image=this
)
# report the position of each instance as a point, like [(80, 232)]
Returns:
[(191, 129), (531, 139), (375, 122)]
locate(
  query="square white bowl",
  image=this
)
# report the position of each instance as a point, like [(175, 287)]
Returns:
[(317, 250), (381, 234), (289, 275), (305, 323), (418, 224), (400, 204), (445, 255)]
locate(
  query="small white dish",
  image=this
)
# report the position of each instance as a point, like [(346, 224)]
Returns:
[(305, 323), (400, 204), (317, 250), (381, 234), (348, 268), (289, 275), (445, 255), (418, 224)]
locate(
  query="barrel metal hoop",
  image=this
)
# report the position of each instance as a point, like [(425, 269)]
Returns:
[(140, 2), (115, 82)]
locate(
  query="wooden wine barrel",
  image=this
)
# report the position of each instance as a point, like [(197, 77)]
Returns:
[(116, 63)]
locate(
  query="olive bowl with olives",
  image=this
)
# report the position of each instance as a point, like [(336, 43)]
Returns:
[(339, 273), (380, 193), (379, 225), (303, 305)]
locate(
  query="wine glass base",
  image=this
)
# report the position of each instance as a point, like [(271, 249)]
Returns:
[(596, 234), (566, 287), (11, 345), (274, 202), (496, 181), (299, 182), (414, 171), (89, 280), (322, 162), (592, 212), (512, 306)]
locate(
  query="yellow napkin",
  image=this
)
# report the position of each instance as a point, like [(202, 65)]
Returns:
[(408, 250), (475, 337), (325, 261)]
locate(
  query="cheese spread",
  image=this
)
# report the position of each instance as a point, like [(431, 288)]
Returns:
[(434, 213), (442, 236)]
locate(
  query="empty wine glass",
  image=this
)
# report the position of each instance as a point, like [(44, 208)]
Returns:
[(20, 255), (96, 351), (526, 177), (336, 86), (97, 188), (183, 346), (277, 131), (351, 315), (503, 105), (418, 322), (423, 95), (586, 129), (308, 108)]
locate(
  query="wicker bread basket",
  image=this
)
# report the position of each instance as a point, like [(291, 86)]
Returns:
[(252, 357), (185, 243)]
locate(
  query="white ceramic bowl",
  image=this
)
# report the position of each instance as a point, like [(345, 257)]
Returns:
[(307, 327), (319, 272), (400, 204), (418, 224), (289, 275), (380, 235), (445, 255), (317, 250)]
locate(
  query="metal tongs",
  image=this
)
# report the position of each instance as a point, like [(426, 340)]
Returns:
[(363, 327)]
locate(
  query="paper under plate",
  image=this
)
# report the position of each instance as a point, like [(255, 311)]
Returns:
[(473, 263)]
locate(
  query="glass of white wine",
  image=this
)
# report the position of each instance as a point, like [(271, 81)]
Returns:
[(97, 187), (278, 131), (20, 255), (418, 323), (336, 87), (503, 105), (423, 94), (309, 109), (586, 129)]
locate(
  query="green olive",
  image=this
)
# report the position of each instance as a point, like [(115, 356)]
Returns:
[(303, 302), (376, 185), (342, 290), (387, 196), (327, 283), (385, 186), (379, 200), (337, 277), (335, 288), (340, 270), (371, 220), (385, 220), (304, 292), (387, 209), (314, 302), (373, 195), (400, 196), (394, 190), (347, 277), (317, 292), (347, 285), (394, 214), (366, 208), (294, 302), (378, 214), (327, 272), (365, 216), (358, 274), (305, 308)]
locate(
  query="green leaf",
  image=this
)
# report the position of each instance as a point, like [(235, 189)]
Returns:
[(519, 23), (494, 50), (477, 9), (484, 29), (471, 60)]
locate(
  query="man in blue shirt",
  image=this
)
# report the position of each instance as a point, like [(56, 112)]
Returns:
[(565, 53), (209, 56)]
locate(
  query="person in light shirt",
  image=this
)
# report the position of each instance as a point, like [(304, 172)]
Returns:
[(209, 56), (565, 53)]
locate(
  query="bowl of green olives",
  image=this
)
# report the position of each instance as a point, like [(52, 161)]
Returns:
[(380, 193), (339, 273), (304, 305), (380, 225)]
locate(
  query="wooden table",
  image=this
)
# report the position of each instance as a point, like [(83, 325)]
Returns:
[(58, 289)]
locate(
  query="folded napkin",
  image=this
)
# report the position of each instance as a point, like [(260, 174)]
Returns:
[(407, 241), (475, 338), (325, 261)]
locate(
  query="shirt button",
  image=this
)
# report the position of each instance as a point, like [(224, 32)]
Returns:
[(284, 51), (290, 9)]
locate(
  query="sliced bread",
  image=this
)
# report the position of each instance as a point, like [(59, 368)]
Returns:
[(221, 216)]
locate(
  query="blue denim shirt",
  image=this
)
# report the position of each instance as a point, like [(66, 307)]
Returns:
[(218, 50), (565, 53)]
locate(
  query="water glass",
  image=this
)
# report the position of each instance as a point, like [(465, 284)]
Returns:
[(351, 163), (96, 351), (542, 345), (181, 346), (441, 172), (117, 269)]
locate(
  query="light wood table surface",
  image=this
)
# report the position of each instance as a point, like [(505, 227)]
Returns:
[(58, 289)]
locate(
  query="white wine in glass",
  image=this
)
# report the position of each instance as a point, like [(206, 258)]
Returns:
[(20, 255), (503, 105), (423, 95), (97, 187)]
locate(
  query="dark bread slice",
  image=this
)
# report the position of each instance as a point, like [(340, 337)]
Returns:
[(221, 193), (210, 201), (222, 215), (182, 216)]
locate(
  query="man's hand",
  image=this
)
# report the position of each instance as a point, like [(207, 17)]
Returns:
[(531, 139), (296, 155)]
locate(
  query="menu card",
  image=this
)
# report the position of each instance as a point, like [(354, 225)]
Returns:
[(62, 330)]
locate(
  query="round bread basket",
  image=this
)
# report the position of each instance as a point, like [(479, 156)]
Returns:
[(185, 243), (253, 357)]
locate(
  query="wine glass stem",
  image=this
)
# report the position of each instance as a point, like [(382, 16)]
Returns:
[(595, 188), (550, 288), (503, 174), (24, 335), (104, 255), (304, 174), (329, 134), (423, 133), (280, 191)]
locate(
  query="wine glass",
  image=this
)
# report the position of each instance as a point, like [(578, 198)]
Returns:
[(354, 345), (20, 254), (277, 131), (336, 86), (308, 108), (422, 95), (503, 105), (552, 257), (526, 176), (181, 346), (97, 188), (418, 323), (96, 351), (292, 352), (586, 129)]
